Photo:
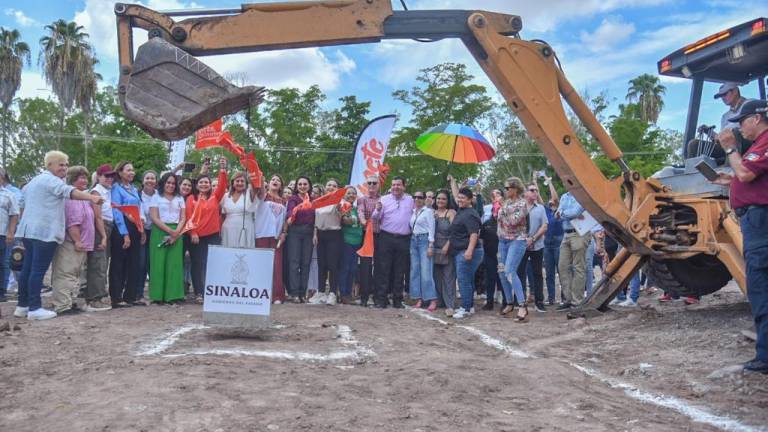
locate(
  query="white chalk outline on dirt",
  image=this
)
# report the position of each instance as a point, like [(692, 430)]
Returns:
[(696, 414), (343, 332)]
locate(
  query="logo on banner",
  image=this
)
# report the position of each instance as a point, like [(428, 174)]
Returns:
[(370, 151)]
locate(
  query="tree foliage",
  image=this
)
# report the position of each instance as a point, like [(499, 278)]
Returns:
[(647, 92), (445, 94)]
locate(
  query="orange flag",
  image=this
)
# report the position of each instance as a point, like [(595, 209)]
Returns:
[(306, 204), (332, 198), (251, 165), (194, 218), (367, 250), (133, 213), (346, 207), (226, 141), (208, 136)]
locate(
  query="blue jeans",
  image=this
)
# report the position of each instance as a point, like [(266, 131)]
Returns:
[(465, 275), (422, 284), (348, 267), (753, 224), (634, 289), (551, 258), (590, 276), (37, 258), (4, 268), (511, 253)]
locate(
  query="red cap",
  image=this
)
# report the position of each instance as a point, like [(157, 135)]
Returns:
[(105, 170)]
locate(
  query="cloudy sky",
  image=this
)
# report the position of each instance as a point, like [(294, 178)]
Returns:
[(601, 43)]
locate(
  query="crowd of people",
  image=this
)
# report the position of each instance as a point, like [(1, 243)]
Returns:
[(443, 248)]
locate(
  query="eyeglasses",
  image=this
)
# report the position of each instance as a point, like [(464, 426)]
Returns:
[(372, 183), (418, 197)]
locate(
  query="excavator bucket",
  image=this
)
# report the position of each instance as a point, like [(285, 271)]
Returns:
[(171, 94)]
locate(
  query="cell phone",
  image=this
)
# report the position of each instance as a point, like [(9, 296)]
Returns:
[(707, 171), (189, 167), (471, 182)]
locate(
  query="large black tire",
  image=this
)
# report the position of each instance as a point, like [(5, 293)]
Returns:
[(696, 276)]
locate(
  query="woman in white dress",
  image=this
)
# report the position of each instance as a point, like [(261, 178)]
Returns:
[(238, 207)]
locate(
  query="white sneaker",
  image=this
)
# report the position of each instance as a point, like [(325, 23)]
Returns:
[(628, 303), (40, 314), (278, 302), (20, 312), (472, 310), (330, 299), (317, 298), (615, 302), (448, 312), (460, 313)]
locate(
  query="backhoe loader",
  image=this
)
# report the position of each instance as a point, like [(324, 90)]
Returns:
[(170, 93)]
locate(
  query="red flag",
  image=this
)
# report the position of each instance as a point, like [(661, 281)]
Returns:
[(346, 207), (366, 251), (194, 218), (332, 198), (208, 136), (249, 162), (133, 213), (226, 141), (383, 173)]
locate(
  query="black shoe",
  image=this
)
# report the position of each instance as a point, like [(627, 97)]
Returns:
[(380, 306), (756, 366), (397, 305), (564, 306), (540, 307), (551, 302), (71, 311), (488, 307)]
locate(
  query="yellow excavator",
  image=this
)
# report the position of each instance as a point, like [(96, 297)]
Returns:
[(164, 88)]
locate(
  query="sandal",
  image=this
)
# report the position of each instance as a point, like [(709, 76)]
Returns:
[(417, 305), (432, 306), (524, 317), (506, 310)]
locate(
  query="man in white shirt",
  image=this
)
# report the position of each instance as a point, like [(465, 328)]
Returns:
[(9, 217)]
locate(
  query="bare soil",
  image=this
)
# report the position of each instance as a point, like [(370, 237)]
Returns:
[(658, 367)]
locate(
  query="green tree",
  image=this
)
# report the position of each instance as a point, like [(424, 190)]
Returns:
[(337, 139), (444, 94), (647, 92), (13, 55), (68, 62)]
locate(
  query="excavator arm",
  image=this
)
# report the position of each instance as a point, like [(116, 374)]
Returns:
[(170, 94)]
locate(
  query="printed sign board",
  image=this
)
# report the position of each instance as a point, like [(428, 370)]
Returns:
[(237, 293)]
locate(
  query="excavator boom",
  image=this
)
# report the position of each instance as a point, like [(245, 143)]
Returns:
[(170, 94)]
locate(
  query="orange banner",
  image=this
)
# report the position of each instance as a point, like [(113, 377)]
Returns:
[(366, 251), (328, 199), (251, 165), (133, 213)]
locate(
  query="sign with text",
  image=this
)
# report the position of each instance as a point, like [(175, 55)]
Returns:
[(370, 151), (236, 286)]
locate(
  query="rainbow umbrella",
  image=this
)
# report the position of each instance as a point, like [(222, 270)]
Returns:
[(455, 143)]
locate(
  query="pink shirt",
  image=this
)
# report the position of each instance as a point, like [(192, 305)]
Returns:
[(80, 213), (395, 214)]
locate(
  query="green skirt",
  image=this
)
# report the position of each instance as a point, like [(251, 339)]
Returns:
[(166, 267)]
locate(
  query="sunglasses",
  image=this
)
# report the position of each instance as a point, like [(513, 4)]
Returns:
[(372, 183)]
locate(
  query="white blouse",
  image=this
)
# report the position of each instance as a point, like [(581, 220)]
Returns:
[(423, 222), (169, 210)]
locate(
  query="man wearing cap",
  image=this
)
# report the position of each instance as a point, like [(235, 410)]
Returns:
[(749, 200), (732, 97), (98, 259)]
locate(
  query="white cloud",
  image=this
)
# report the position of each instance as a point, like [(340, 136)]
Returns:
[(611, 32), (21, 18), (33, 85)]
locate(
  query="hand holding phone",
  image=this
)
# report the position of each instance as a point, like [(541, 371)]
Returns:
[(189, 167)]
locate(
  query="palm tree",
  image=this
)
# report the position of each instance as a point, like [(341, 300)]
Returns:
[(13, 54), (67, 60), (646, 91), (85, 99)]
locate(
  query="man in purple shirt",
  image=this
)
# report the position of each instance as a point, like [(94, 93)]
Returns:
[(393, 213)]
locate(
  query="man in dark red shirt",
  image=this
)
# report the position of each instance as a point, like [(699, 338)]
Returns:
[(749, 200)]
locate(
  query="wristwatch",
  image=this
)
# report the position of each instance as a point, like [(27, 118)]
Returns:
[(730, 150)]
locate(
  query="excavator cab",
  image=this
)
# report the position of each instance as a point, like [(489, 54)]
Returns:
[(737, 54)]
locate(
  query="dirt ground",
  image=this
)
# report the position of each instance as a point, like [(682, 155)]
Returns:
[(345, 368)]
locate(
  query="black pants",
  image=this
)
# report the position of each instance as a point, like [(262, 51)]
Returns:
[(491, 264), (536, 259), (125, 266), (329, 247), (198, 256), (391, 265), (366, 274), (299, 244)]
